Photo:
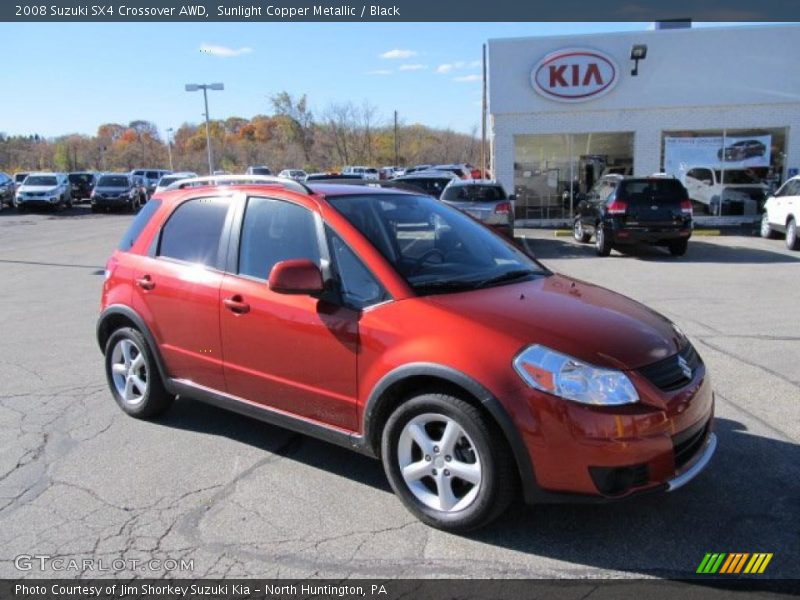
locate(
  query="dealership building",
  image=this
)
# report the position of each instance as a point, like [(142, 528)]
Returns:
[(717, 107)]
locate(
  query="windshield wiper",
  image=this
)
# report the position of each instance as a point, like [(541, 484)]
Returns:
[(445, 286), (505, 277)]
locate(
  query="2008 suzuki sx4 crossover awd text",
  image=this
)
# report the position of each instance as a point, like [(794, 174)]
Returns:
[(387, 322)]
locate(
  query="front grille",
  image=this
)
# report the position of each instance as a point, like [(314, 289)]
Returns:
[(668, 374), (688, 443)]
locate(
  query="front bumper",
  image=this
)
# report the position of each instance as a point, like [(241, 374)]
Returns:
[(588, 454), (37, 202), (111, 202)]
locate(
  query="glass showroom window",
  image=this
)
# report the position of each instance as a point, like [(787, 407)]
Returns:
[(551, 170), (727, 172)]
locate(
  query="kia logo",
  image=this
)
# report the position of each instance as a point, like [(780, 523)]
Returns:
[(574, 75)]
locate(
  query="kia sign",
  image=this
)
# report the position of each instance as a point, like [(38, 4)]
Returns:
[(574, 75)]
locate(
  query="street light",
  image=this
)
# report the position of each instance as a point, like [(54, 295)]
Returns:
[(193, 87), (169, 148)]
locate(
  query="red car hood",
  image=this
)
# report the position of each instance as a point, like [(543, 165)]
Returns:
[(577, 318)]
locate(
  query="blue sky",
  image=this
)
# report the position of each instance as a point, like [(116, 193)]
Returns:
[(73, 77)]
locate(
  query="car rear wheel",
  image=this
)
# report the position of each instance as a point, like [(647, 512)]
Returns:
[(766, 231), (792, 242), (449, 467), (579, 234), (602, 243), (133, 375), (678, 247)]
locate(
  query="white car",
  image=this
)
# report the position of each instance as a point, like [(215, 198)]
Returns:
[(782, 213), (368, 173), (296, 174), (168, 180), (44, 189), (736, 192)]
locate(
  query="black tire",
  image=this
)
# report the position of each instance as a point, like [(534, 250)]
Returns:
[(602, 243), (95, 209), (579, 234), (678, 247), (155, 399), (766, 231), (792, 241), (498, 475)]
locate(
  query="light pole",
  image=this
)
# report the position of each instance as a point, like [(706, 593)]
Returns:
[(169, 148), (193, 87)]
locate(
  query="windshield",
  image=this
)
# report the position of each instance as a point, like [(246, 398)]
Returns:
[(20, 177), (474, 193), (41, 180), (435, 248), (260, 171), (736, 176), (113, 181), (428, 185)]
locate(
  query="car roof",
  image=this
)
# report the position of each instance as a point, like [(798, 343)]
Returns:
[(427, 174), (475, 182)]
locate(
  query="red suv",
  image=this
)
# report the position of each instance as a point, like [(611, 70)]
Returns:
[(394, 325)]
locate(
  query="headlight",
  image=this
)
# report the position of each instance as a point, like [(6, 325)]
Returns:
[(567, 377)]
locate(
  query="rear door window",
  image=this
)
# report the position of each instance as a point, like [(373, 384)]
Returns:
[(194, 232)]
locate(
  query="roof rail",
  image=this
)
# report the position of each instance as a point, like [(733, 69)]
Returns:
[(290, 184)]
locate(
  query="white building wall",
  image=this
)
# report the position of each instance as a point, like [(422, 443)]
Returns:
[(692, 79), (647, 125)]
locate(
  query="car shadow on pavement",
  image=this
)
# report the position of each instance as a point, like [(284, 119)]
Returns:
[(700, 251), (197, 416), (748, 500)]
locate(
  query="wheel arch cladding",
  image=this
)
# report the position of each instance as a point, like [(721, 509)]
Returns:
[(117, 316), (399, 385)]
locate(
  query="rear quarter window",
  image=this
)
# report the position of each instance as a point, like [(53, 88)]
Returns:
[(139, 223)]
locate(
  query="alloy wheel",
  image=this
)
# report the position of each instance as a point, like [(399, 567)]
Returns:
[(129, 372), (439, 462)]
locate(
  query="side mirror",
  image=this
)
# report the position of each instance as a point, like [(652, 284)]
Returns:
[(512, 197), (296, 276)]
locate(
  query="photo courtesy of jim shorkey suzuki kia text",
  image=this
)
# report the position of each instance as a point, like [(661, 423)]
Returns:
[(106, 590)]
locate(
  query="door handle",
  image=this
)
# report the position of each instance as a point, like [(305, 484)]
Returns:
[(146, 282), (236, 305)]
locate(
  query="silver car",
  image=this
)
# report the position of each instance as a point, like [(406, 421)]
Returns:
[(485, 201)]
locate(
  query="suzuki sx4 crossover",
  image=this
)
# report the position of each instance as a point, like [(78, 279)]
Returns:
[(387, 322)]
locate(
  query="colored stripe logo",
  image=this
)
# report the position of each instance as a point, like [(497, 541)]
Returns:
[(734, 563)]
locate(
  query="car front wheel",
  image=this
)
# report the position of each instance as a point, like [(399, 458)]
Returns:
[(448, 466), (133, 375), (792, 242), (678, 247)]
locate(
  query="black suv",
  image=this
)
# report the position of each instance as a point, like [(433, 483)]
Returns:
[(82, 185), (628, 210)]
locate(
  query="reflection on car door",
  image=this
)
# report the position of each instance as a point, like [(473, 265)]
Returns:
[(294, 353)]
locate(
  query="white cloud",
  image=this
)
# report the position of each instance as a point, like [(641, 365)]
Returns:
[(398, 53), (467, 78), (379, 72), (413, 67), (476, 63), (223, 51), (447, 67)]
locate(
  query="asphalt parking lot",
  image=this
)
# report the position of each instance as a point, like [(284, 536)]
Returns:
[(79, 479)]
